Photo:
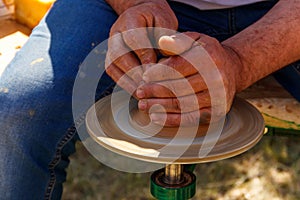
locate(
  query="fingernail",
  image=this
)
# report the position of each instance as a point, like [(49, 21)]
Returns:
[(140, 93), (156, 119), (142, 104)]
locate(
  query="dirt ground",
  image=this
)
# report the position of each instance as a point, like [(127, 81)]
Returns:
[(270, 170)]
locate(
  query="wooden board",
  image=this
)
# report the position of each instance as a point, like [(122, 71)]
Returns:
[(279, 108)]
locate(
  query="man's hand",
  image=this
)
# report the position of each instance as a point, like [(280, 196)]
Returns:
[(130, 46), (199, 68)]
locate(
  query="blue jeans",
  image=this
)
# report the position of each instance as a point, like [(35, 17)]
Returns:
[(37, 135)]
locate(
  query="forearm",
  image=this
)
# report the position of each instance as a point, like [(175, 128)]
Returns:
[(121, 5), (268, 45)]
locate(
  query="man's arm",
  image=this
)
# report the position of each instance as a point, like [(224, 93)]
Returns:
[(264, 47), (131, 41), (268, 45)]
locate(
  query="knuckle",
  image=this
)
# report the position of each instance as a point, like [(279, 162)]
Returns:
[(130, 41), (205, 116), (147, 56), (109, 70), (191, 118), (175, 61), (107, 62), (170, 89), (190, 103), (203, 99), (111, 54), (176, 104)]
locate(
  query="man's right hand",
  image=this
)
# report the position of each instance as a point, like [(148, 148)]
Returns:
[(130, 46)]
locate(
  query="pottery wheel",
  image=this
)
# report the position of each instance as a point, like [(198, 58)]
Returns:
[(122, 131)]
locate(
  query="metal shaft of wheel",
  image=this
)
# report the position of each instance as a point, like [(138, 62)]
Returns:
[(173, 183)]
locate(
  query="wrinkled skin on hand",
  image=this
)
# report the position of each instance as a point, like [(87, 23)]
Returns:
[(183, 91), (130, 46), (184, 94)]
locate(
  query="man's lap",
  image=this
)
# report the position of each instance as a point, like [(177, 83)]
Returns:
[(37, 87), (36, 98)]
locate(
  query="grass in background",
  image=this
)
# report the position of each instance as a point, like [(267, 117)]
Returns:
[(270, 170)]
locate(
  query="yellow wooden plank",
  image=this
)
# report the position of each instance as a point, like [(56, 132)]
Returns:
[(279, 108), (30, 12)]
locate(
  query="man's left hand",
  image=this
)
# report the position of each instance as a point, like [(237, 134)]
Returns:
[(186, 81)]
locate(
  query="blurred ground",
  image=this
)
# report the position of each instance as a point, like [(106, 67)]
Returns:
[(271, 170)]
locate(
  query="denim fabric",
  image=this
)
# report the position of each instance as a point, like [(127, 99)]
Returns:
[(36, 95), (36, 88)]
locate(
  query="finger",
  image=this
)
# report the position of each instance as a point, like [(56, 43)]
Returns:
[(160, 32), (174, 67), (116, 47), (121, 57), (130, 66), (121, 79), (194, 118), (176, 105), (173, 88), (138, 41), (196, 60), (178, 43)]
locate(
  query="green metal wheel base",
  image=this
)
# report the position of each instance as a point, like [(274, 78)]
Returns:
[(184, 190)]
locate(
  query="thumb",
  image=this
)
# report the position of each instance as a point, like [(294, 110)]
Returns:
[(178, 43)]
